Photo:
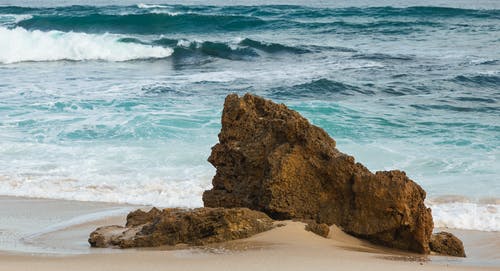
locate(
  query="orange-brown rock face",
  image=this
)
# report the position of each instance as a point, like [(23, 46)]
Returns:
[(271, 159)]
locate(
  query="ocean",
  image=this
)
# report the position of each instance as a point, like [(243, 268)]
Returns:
[(119, 101)]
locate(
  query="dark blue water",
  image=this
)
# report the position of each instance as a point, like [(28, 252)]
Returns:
[(121, 101)]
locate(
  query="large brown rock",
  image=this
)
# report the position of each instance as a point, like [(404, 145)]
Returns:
[(269, 158), (170, 227), (446, 243)]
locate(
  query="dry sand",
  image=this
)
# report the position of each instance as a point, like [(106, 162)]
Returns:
[(289, 247)]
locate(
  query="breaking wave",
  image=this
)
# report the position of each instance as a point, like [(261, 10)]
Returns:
[(467, 215), (20, 45)]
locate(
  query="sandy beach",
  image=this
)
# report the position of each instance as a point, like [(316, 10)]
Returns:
[(52, 235)]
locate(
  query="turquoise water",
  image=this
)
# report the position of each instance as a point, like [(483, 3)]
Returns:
[(121, 101)]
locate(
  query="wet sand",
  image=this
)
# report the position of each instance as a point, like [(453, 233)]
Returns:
[(52, 235)]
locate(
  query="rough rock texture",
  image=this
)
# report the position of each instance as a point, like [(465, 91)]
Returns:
[(317, 228), (175, 226), (446, 243), (271, 159), (106, 236), (139, 217)]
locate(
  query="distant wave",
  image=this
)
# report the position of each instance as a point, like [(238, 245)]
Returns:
[(417, 12), (171, 22), (276, 11), (141, 23), (19, 45), (162, 19)]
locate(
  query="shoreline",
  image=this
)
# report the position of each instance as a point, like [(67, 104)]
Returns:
[(52, 226), (50, 249)]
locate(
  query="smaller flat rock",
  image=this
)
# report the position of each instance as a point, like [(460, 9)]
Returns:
[(172, 226)]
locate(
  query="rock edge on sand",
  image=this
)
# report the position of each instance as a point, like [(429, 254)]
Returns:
[(173, 226), (446, 243), (272, 160)]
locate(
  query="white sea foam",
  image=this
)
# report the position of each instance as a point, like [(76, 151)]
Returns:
[(155, 175), (163, 192), (159, 9), (466, 215), (183, 43), (147, 6), (20, 45)]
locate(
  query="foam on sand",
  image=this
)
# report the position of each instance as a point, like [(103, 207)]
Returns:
[(20, 45)]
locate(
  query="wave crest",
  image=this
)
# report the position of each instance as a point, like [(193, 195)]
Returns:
[(20, 45), (149, 23)]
